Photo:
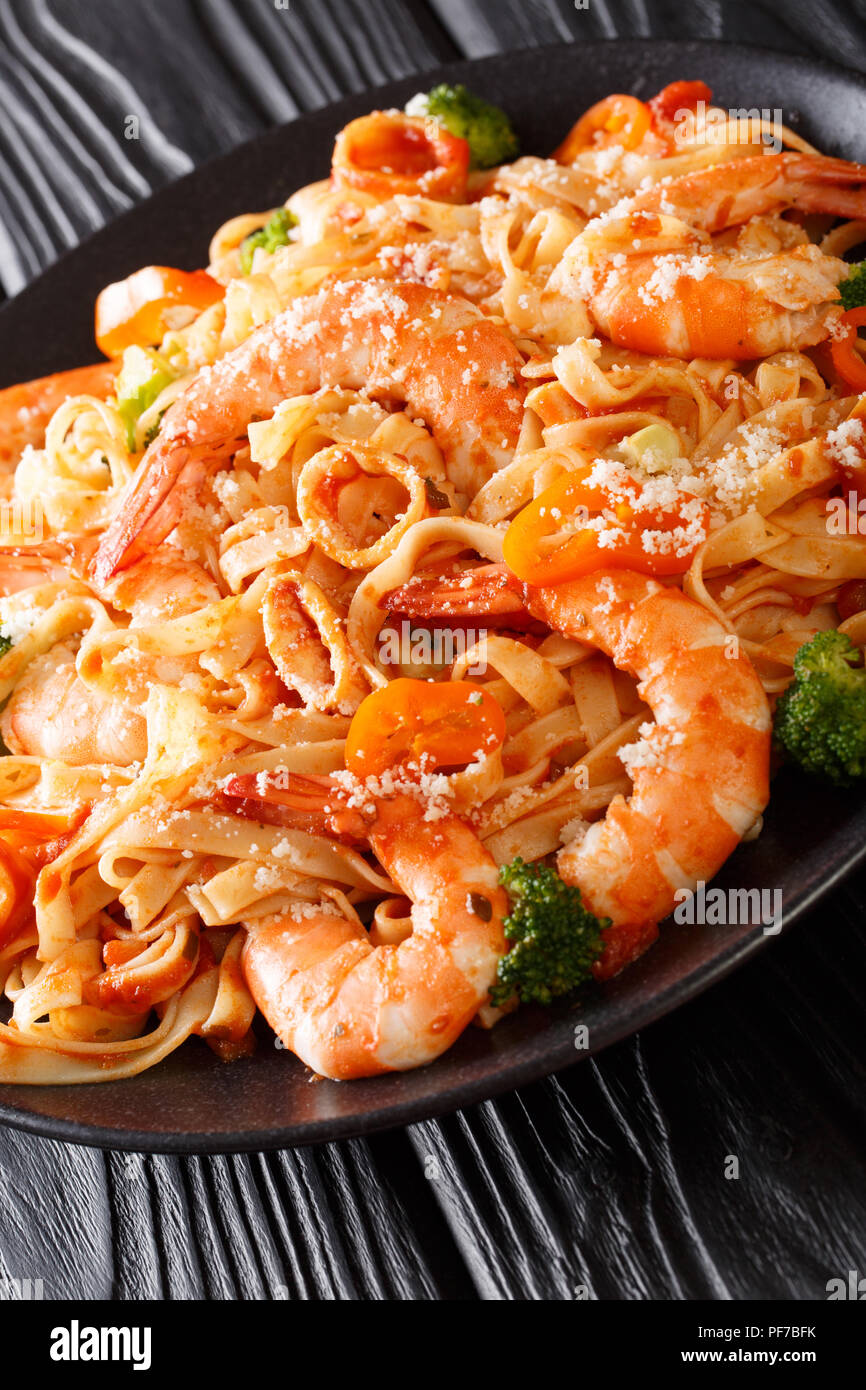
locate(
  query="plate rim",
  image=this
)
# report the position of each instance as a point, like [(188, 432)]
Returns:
[(516, 1073), (333, 1130)]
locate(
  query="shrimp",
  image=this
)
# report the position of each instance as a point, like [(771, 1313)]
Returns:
[(348, 1007), (655, 282), (655, 285), (160, 587), (52, 713), (22, 568), (700, 773), (25, 410), (728, 194), (435, 352), (164, 585)]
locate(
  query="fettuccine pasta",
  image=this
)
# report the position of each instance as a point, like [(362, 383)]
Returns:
[(453, 515)]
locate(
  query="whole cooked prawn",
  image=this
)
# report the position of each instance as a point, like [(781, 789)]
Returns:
[(654, 280), (350, 1006), (700, 772), (434, 352)]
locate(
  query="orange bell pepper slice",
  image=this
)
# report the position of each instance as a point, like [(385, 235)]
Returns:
[(388, 152), (553, 538), (617, 120), (843, 350), (134, 312), (444, 724)]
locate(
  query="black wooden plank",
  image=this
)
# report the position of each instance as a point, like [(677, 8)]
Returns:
[(197, 77), (612, 1175), (490, 26), (50, 1195)]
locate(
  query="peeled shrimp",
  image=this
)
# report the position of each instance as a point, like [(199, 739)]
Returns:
[(53, 714), (654, 285), (25, 410), (349, 1008), (24, 568), (728, 194), (700, 774), (435, 352), (163, 585), (654, 282)]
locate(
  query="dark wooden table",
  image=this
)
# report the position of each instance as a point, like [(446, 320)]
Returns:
[(608, 1181)]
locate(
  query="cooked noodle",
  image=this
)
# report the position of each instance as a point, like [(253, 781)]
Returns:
[(242, 643)]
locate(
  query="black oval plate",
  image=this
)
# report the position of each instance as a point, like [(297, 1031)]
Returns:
[(813, 835)]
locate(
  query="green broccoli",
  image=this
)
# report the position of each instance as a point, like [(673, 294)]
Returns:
[(5, 643), (270, 237), (486, 128), (554, 938), (852, 290), (821, 718)]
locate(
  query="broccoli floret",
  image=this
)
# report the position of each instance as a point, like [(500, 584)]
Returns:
[(554, 939), (852, 291), (485, 128), (5, 643), (271, 236), (821, 718)]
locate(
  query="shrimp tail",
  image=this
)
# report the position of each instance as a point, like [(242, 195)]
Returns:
[(622, 944), (828, 185), (159, 494)]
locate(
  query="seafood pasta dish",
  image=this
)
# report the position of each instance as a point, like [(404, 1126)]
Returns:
[(409, 609)]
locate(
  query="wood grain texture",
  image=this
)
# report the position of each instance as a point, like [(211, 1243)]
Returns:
[(833, 29), (610, 1178)]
